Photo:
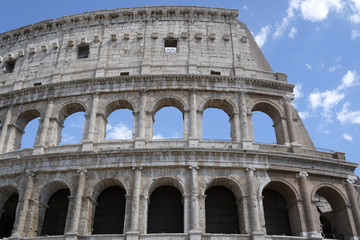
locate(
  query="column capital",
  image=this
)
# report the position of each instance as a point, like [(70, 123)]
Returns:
[(193, 90), (196, 167), (95, 94), (243, 93), (136, 168), (30, 173), (287, 99), (302, 174), (350, 180), (143, 91), (82, 171), (250, 169)]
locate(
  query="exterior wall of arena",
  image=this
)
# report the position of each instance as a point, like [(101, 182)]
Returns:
[(144, 59)]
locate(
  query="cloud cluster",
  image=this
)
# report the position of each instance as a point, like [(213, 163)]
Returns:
[(346, 116), (347, 137), (325, 101), (314, 11), (119, 131), (262, 36)]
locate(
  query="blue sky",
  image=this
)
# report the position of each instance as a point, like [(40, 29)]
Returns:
[(315, 42)]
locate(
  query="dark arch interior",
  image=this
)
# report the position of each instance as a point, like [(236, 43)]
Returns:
[(166, 212), (276, 213), (221, 211), (110, 211), (55, 216), (8, 216)]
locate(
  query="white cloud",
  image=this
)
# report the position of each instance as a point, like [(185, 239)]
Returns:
[(334, 68), (317, 10), (325, 100), (308, 66), (355, 7), (292, 32), (245, 7), (304, 115), (347, 137), (119, 131), (297, 90), (348, 80), (261, 37), (345, 116), (158, 136), (67, 138), (290, 14), (355, 33)]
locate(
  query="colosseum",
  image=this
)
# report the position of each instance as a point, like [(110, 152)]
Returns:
[(144, 59)]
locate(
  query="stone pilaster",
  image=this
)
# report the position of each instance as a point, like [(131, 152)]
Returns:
[(24, 207), (39, 147), (194, 199), (4, 128), (141, 126), (253, 203), (135, 207), (75, 218), (352, 194), (309, 209), (89, 141), (286, 101), (193, 131)]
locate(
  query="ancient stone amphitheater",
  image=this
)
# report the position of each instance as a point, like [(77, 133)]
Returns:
[(144, 59)]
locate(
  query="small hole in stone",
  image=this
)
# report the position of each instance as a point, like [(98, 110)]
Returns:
[(124, 74), (214, 72)]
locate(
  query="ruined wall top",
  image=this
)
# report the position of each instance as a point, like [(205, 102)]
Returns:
[(131, 41)]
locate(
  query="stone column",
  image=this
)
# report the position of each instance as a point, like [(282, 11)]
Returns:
[(187, 210), (4, 128), (194, 199), (75, 219), (309, 210), (39, 148), (193, 131), (289, 122), (202, 213), (141, 126), (135, 201), (354, 203), (253, 204), (243, 117), (235, 119), (24, 207)]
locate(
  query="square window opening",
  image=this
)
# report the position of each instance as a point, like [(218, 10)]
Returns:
[(9, 66), (83, 51), (170, 45), (37, 84), (212, 72)]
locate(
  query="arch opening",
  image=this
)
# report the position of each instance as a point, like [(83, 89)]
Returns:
[(166, 211), (263, 127), (120, 124), (56, 213), (221, 212), (8, 216), (276, 213), (333, 216), (73, 129), (110, 211), (30, 131), (216, 124), (26, 122), (263, 124), (168, 123)]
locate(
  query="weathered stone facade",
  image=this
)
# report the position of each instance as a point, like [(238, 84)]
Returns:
[(101, 61)]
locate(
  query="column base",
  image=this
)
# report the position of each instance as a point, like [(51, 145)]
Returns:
[(38, 149), (132, 235), (71, 236), (315, 236), (193, 143), (248, 145), (88, 146), (295, 147), (140, 143), (15, 236), (257, 235), (195, 235)]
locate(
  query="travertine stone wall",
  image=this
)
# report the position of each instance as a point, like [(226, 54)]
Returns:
[(49, 81)]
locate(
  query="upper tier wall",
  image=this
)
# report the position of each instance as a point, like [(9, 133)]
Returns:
[(131, 41)]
